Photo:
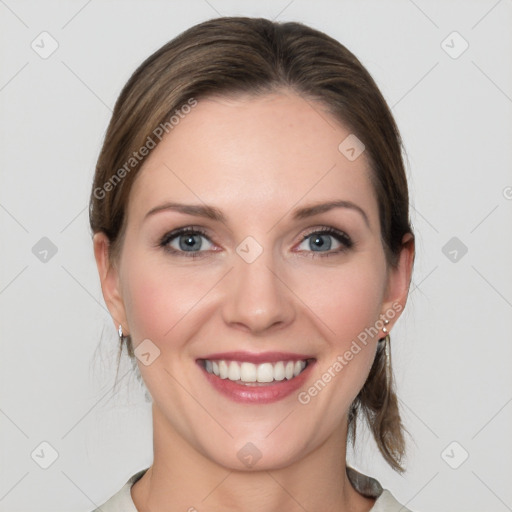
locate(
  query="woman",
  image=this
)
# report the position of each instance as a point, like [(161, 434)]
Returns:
[(253, 242)]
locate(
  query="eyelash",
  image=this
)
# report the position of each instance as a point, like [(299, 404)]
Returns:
[(340, 236)]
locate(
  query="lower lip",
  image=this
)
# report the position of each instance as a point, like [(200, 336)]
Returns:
[(257, 394)]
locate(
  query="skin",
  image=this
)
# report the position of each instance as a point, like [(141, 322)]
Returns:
[(256, 159)]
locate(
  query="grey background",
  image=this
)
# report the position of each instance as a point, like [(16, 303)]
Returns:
[(452, 347)]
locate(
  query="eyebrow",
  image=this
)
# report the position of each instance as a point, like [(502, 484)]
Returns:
[(213, 213)]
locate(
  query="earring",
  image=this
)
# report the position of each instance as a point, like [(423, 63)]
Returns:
[(387, 350), (120, 333)]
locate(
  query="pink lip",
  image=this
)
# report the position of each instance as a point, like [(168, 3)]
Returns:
[(257, 394), (264, 357)]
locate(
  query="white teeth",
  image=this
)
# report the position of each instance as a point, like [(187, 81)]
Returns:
[(279, 371), (299, 366), (265, 372), (250, 372), (223, 370), (234, 371), (288, 373)]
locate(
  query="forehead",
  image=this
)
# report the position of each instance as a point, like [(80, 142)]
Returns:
[(252, 153)]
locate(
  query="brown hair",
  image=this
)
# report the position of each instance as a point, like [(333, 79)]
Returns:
[(256, 56)]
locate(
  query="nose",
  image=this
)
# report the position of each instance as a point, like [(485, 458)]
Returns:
[(257, 299)]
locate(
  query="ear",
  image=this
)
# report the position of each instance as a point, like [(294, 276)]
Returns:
[(109, 278), (399, 279)]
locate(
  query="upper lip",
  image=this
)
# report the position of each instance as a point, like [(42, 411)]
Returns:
[(251, 357)]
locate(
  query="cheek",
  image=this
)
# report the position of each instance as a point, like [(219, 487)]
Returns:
[(158, 298), (346, 300), (148, 308)]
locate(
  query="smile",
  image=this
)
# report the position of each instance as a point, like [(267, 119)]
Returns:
[(250, 373), (251, 378)]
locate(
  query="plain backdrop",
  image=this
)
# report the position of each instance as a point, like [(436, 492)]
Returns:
[(445, 67)]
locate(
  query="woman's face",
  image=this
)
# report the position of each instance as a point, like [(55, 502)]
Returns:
[(260, 285)]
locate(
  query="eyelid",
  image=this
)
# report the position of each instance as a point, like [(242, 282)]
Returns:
[(174, 233), (329, 231)]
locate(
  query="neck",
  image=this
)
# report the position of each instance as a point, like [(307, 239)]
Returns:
[(182, 479)]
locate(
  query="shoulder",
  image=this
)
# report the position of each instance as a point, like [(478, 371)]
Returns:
[(386, 502), (371, 488), (122, 500), (366, 485)]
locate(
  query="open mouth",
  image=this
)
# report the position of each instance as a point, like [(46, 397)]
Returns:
[(256, 378), (252, 374)]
